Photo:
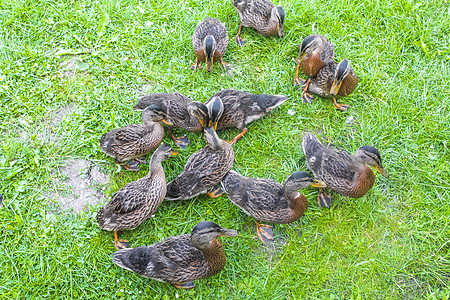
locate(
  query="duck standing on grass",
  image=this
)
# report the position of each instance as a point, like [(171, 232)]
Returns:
[(133, 141), (210, 41), (267, 200), (135, 202), (261, 15), (179, 259), (349, 175)]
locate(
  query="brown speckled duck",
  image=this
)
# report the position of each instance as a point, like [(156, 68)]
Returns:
[(261, 15), (133, 141), (242, 108), (176, 110), (316, 51), (267, 200), (135, 202), (349, 175), (210, 41), (206, 167), (334, 80), (179, 259)]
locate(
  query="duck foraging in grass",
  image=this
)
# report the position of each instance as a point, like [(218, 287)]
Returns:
[(210, 41), (334, 80), (241, 108), (349, 175), (135, 202), (176, 110), (133, 141), (316, 51), (179, 259), (206, 167), (268, 201), (261, 15)]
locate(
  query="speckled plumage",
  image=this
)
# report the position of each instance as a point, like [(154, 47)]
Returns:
[(135, 202), (257, 14), (175, 107), (215, 28), (321, 84), (203, 170), (347, 174), (241, 108), (132, 141), (316, 51), (179, 259), (265, 199)]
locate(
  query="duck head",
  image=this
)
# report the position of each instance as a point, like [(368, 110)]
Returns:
[(209, 47), (370, 156), (204, 232)]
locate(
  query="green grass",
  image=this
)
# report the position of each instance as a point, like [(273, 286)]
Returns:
[(394, 243)]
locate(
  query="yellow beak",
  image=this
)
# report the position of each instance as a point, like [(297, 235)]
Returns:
[(318, 183), (382, 171), (166, 122), (174, 153), (335, 87)]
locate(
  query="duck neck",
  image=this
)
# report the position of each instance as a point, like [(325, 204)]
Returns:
[(298, 204), (155, 164), (214, 256)]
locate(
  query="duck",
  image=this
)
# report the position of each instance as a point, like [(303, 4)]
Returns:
[(349, 175), (210, 41), (241, 108), (135, 202), (133, 141), (316, 51), (180, 259), (268, 201), (334, 80), (261, 15), (176, 110), (206, 167)]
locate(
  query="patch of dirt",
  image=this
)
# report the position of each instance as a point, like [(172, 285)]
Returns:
[(83, 186), (68, 67)]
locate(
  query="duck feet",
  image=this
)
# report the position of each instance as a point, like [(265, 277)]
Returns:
[(299, 81), (181, 141), (215, 191), (306, 97), (323, 199), (238, 38), (196, 65), (186, 285), (342, 107), (264, 232), (238, 137), (132, 165), (120, 244)]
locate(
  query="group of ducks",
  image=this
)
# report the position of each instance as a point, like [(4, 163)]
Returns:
[(181, 259)]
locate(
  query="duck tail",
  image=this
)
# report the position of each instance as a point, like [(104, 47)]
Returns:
[(269, 102), (134, 259), (311, 144)]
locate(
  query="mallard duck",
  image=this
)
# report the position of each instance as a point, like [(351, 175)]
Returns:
[(242, 108), (210, 41), (179, 259), (261, 15), (135, 202), (267, 200), (315, 52), (334, 80), (133, 141), (176, 110), (346, 174)]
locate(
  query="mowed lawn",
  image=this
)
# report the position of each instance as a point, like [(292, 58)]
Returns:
[(72, 70)]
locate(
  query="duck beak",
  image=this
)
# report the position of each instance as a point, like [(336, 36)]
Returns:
[(213, 124), (335, 87), (166, 122), (318, 183), (228, 232), (280, 30), (209, 63), (174, 153), (301, 57), (382, 171)]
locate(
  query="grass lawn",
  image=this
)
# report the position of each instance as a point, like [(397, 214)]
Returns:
[(72, 70)]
